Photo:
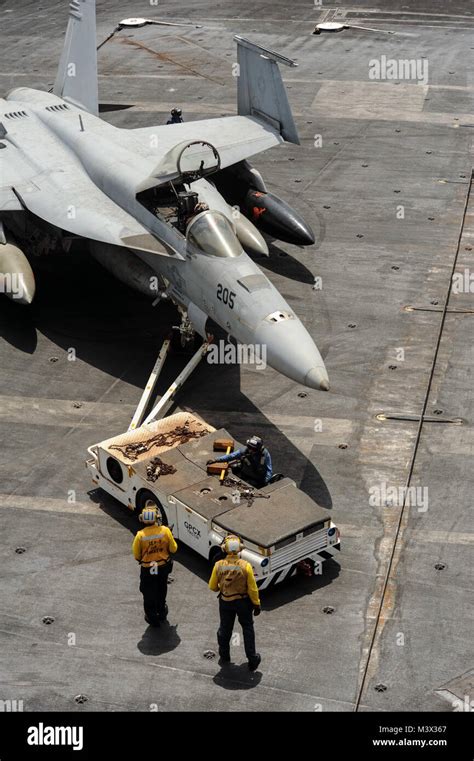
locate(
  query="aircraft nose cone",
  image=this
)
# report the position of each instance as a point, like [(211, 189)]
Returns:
[(290, 349), (317, 378)]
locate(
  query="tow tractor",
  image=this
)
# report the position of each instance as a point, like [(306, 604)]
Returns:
[(163, 462)]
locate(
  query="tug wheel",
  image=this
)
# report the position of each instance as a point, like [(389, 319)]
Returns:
[(215, 555)]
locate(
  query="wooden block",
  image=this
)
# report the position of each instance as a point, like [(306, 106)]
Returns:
[(216, 467), (223, 445)]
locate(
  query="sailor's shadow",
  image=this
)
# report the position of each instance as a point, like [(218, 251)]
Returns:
[(159, 640), (237, 677)]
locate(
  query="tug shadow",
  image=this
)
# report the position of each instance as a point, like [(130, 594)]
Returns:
[(299, 586), (115, 509), (280, 594), (185, 556)]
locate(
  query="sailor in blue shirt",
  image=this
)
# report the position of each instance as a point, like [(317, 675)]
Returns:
[(176, 116), (254, 462)]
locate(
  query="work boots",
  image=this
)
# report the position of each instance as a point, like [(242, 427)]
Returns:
[(152, 621), (254, 662)]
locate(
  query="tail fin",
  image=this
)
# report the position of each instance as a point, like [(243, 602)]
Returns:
[(260, 89), (76, 80)]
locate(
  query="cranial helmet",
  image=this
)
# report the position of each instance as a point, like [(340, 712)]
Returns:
[(255, 443), (149, 515), (232, 545)]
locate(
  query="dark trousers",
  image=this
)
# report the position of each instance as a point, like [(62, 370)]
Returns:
[(154, 586), (243, 609), (251, 478)]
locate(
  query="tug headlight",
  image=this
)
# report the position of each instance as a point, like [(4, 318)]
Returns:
[(332, 531), (264, 562)]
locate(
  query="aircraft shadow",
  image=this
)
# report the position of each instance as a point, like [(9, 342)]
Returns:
[(106, 107), (78, 304), (282, 263), (17, 326)]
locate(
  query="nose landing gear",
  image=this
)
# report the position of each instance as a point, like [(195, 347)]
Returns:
[(184, 333)]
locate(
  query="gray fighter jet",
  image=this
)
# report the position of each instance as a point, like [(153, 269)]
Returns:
[(169, 207)]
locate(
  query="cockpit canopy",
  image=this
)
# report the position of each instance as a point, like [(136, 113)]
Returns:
[(212, 232), (195, 159), (185, 162)]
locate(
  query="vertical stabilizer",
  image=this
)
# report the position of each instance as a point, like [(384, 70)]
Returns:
[(76, 80)]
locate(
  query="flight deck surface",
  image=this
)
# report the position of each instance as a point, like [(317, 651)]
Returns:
[(383, 176)]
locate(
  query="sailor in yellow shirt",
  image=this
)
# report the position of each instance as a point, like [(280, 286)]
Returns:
[(152, 547), (233, 578)]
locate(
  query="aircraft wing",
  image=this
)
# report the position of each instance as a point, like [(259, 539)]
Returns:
[(67, 198), (264, 114), (235, 137), (82, 209)]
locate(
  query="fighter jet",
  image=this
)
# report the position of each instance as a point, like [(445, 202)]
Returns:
[(170, 207)]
